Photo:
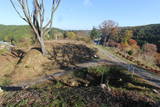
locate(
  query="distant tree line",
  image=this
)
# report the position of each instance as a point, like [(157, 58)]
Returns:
[(21, 33), (142, 42), (109, 30)]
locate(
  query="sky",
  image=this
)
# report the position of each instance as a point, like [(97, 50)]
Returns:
[(84, 14)]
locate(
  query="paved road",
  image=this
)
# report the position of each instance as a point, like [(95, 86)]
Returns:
[(152, 77)]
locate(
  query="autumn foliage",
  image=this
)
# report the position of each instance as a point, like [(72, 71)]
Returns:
[(157, 57), (149, 48), (132, 42)]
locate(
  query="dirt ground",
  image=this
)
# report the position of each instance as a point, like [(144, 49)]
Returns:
[(7, 63), (34, 65)]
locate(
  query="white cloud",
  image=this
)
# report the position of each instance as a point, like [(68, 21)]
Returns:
[(87, 2)]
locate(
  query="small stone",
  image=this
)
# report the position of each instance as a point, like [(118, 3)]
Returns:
[(95, 56), (120, 79), (25, 87), (1, 91), (103, 86), (86, 85), (74, 83), (155, 91)]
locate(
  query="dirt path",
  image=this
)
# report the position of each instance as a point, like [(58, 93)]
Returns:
[(152, 77), (27, 84)]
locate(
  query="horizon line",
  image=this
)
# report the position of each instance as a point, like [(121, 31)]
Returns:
[(82, 28)]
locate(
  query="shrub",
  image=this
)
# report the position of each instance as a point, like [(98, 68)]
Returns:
[(157, 57), (149, 48), (6, 82), (83, 38), (132, 42), (71, 35), (130, 52), (112, 43)]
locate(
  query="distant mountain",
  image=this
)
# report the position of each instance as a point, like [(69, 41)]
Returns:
[(16, 32)]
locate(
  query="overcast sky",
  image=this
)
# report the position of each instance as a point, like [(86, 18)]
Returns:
[(84, 14)]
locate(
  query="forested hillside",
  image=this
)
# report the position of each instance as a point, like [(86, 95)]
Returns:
[(146, 34), (18, 33), (8, 32)]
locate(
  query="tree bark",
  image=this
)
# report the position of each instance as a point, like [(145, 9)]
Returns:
[(43, 48), (42, 44)]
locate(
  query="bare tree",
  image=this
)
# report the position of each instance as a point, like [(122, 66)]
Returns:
[(108, 28), (35, 17)]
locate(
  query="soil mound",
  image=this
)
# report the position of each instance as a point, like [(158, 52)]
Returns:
[(29, 66), (34, 65)]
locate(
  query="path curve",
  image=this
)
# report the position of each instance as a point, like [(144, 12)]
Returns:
[(147, 75)]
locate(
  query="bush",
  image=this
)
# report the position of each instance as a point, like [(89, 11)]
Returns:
[(85, 39), (132, 42), (130, 52), (157, 57), (71, 35), (149, 48), (112, 43), (6, 82)]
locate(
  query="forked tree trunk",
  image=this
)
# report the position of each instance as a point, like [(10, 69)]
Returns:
[(35, 17), (41, 43)]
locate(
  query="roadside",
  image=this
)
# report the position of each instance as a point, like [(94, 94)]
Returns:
[(152, 77)]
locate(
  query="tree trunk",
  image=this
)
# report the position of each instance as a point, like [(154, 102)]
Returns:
[(104, 40), (35, 17), (42, 45)]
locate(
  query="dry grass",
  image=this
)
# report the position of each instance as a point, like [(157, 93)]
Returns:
[(34, 65), (7, 65), (29, 67)]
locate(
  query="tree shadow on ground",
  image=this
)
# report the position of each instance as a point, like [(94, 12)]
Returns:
[(70, 54), (11, 88)]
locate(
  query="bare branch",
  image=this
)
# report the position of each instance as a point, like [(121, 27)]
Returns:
[(35, 18), (55, 5), (17, 11)]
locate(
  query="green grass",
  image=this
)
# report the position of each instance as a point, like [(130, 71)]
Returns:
[(117, 77), (2, 51)]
